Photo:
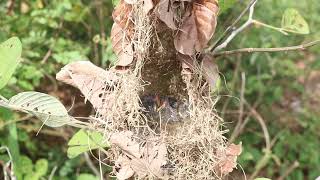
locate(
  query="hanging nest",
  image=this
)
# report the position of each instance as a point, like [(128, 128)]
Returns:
[(156, 104)]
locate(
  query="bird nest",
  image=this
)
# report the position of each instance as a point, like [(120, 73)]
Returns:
[(164, 125)]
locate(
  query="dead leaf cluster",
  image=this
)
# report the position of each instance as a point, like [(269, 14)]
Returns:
[(145, 159), (229, 160), (194, 23)]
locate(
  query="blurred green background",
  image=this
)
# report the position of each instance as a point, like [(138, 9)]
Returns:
[(284, 88)]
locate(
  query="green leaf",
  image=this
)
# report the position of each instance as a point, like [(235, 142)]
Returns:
[(84, 141), (293, 22), (31, 176), (12, 134), (262, 179), (87, 177), (10, 53), (41, 167), (25, 165), (45, 107)]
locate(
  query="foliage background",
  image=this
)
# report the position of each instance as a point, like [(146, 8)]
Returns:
[(283, 87)]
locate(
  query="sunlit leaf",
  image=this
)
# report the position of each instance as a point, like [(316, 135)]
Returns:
[(293, 22), (41, 167), (10, 53), (84, 141), (47, 108)]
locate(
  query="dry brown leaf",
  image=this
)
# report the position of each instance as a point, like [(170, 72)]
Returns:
[(143, 159), (166, 14), (229, 162), (186, 64), (125, 171), (210, 70), (198, 28), (121, 46), (206, 18), (234, 150), (90, 80), (187, 37), (122, 14), (124, 140)]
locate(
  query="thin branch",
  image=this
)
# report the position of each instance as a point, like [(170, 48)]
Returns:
[(236, 131), (262, 123), (91, 165), (232, 26), (279, 49), (289, 170), (6, 167), (55, 36), (53, 172)]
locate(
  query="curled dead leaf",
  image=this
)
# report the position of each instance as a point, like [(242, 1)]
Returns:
[(210, 70), (142, 159), (198, 28), (234, 150), (125, 171), (166, 14), (187, 66), (229, 162), (187, 37), (121, 46), (122, 14), (124, 140), (91, 80)]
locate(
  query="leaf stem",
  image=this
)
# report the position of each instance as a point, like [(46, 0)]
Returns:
[(269, 26)]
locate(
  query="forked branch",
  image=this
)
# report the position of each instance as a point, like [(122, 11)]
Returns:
[(240, 29), (232, 27)]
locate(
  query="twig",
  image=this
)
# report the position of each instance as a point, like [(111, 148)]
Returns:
[(232, 26), (27, 117), (240, 29), (10, 162), (262, 123), (236, 131), (289, 170), (100, 166), (53, 172), (46, 57), (49, 52), (279, 49), (267, 151), (31, 128), (261, 163), (91, 165)]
